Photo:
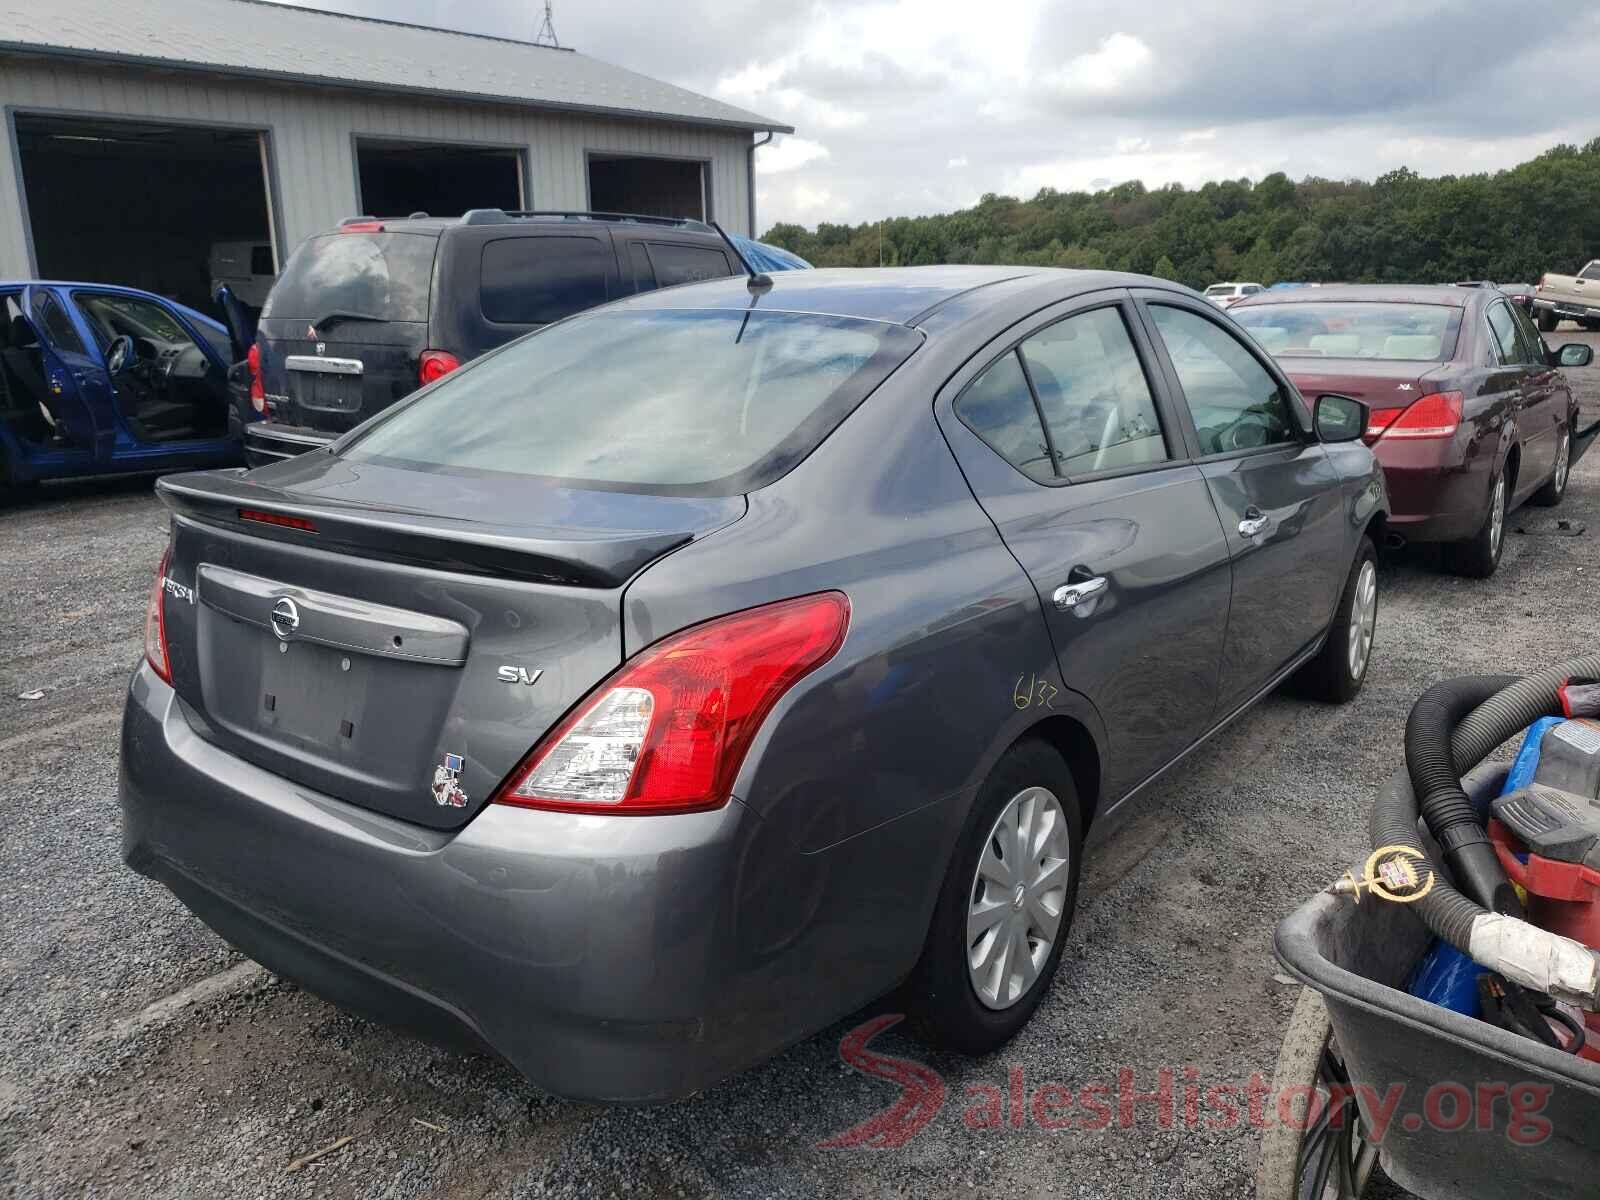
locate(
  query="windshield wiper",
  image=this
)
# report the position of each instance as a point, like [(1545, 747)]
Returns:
[(344, 314)]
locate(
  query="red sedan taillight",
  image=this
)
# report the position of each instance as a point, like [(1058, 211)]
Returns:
[(435, 364), (155, 621), (258, 391), (668, 732), (1437, 415)]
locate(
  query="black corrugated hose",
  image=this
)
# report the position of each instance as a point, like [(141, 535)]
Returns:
[(1500, 707)]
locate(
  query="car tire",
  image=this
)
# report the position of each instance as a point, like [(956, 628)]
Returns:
[(1339, 669), (1479, 556), (1556, 486), (1548, 321), (943, 994)]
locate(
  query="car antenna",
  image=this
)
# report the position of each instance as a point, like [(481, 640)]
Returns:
[(759, 281)]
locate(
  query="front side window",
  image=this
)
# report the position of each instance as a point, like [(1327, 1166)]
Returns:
[(1236, 404), (1591, 271), (113, 316), (685, 402), (1094, 395), (537, 280), (999, 408), (57, 325)]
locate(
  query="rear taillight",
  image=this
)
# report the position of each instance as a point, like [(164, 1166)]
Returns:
[(435, 364), (155, 621), (258, 392), (1433, 416), (668, 732)]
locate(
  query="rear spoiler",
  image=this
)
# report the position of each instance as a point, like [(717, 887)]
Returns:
[(222, 498)]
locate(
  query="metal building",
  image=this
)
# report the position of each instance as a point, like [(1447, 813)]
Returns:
[(160, 143)]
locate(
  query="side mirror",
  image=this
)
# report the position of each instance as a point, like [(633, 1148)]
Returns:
[(1339, 418), (121, 354), (1574, 354)]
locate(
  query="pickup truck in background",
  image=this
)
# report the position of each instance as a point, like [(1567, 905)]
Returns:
[(1569, 298)]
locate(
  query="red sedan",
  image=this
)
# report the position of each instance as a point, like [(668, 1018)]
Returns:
[(1471, 415)]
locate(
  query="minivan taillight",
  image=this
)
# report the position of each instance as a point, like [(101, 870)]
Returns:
[(668, 731), (435, 364), (1437, 415), (258, 392), (155, 620)]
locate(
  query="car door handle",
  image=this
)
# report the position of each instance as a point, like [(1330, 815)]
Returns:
[(1069, 595), (1254, 522)]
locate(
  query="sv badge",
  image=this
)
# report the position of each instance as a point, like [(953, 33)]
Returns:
[(510, 674)]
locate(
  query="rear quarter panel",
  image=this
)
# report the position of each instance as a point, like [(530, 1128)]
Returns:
[(863, 776)]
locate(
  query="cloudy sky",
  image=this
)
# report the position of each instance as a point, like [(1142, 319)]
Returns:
[(918, 106)]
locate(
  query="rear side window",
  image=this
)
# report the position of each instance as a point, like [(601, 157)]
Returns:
[(1094, 395), (536, 280), (380, 276), (1504, 331), (999, 408), (690, 402), (676, 264)]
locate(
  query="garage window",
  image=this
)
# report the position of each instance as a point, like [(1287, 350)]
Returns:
[(536, 280)]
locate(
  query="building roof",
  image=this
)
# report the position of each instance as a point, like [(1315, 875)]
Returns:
[(276, 41)]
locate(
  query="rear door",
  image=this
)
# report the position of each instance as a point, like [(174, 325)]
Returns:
[(527, 279), (1069, 442), (78, 389), (1534, 384), (1278, 494), (345, 326)]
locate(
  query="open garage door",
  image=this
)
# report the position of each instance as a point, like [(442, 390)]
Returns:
[(655, 187), (152, 206), (442, 180)]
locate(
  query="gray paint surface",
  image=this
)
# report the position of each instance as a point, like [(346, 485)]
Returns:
[(642, 957)]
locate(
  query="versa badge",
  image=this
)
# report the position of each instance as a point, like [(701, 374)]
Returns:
[(447, 791)]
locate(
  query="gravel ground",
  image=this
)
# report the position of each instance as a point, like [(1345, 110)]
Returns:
[(1169, 963)]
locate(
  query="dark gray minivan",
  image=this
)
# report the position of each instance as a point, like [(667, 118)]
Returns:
[(365, 315)]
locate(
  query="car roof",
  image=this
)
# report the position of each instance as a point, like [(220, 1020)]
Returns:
[(900, 295), (1390, 293), (116, 289)]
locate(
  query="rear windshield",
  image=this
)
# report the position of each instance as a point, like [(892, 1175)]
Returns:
[(384, 276), (1220, 289), (697, 402), (1363, 329)]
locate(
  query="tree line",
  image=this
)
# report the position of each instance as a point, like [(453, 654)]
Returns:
[(1507, 226)]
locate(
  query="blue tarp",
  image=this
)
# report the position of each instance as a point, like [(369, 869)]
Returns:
[(768, 258)]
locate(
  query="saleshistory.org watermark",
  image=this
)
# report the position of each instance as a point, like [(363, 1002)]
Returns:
[(1176, 1097)]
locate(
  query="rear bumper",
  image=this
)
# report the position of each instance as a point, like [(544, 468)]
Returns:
[(1576, 310), (269, 441), (1436, 493), (592, 953)]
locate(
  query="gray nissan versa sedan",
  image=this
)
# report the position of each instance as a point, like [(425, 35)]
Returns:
[(667, 684)]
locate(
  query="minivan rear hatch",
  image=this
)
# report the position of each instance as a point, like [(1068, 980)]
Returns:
[(345, 325), (399, 645)]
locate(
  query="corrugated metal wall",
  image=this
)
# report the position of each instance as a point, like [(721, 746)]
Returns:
[(310, 136)]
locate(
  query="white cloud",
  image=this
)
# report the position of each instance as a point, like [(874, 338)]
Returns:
[(1121, 61), (956, 163), (790, 154)]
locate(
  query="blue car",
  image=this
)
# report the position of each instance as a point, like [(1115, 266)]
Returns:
[(96, 378)]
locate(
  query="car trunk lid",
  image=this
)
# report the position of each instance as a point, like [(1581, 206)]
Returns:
[(393, 638), (1386, 386)]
